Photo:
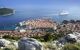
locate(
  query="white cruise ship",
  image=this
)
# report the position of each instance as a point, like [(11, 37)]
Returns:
[(62, 13)]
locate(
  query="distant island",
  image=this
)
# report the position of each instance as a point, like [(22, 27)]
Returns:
[(6, 11)]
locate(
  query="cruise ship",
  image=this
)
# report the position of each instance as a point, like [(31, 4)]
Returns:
[(63, 13)]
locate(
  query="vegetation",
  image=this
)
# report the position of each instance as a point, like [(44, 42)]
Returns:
[(5, 11), (49, 46), (78, 21), (71, 21), (49, 37), (50, 30), (11, 37), (65, 21), (71, 47), (7, 49)]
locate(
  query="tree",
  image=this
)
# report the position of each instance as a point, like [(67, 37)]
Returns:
[(48, 37), (65, 21), (72, 21)]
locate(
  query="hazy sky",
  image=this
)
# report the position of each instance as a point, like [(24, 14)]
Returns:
[(40, 3)]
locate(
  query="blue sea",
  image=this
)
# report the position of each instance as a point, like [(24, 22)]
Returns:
[(9, 22)]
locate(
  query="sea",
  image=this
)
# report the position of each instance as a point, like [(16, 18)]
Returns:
[(9, 22)]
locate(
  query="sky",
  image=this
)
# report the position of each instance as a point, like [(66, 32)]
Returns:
[(36, 4), (22, 5)]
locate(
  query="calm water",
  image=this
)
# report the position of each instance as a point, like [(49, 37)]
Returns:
[(9, 22)]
